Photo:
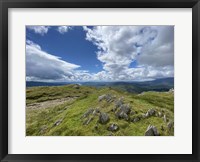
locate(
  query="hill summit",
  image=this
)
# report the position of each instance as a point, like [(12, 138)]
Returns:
[(80, 110)]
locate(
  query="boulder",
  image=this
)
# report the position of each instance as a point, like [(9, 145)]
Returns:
[(107, 97), (136, 119), (155, 130), (58, 122), (123, 111), (87, 113), (150, 112), (119, 102), (96, 111), (151, 131), (125, 108), (144, 115), (86, 122), (100, 98), (165, 118), (170, 125), (121, 115), (113, 127), (103, 118)]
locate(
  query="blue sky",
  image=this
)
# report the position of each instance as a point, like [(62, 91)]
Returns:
[(70, 46), (99, 53)]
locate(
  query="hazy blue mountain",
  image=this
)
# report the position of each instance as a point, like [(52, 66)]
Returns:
[(34, 84), (163, 84)]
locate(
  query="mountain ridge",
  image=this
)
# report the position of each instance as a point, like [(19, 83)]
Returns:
[(160, 85)]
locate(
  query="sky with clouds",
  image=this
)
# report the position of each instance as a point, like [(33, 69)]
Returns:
[(99, 53)]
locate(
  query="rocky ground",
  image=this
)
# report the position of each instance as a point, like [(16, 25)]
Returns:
[(125, 112), (84, 111)]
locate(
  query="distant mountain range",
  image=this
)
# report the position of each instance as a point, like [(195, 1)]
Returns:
[(35, 84), (163, 84)]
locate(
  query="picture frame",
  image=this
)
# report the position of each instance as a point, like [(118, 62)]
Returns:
[(4, 68)]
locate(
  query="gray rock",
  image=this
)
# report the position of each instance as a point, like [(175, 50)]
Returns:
[(119, 102), (125, 108), (107, 97), (100, 98), (150, 112), (144, 116), (96, 111), (123, 111), (87, 113), (165, 118), (170, 125), (88, 121), (103, 118), (122, 115), (151, 131), (113, 127), (58, 122), (155, 130), (160, 114), (136, 119)]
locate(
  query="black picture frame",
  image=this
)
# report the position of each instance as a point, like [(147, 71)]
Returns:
[(6, 4)]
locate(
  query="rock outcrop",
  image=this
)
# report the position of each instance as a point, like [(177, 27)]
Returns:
[(88, 112), (170, 125), (150, 112), (58, 122), (107, 97), (103, 118), (151, 131), (113, 127)]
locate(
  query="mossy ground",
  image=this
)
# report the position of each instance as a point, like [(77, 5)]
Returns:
[(41, 122)]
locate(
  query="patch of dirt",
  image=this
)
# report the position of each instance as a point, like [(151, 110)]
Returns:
[(50, 103)]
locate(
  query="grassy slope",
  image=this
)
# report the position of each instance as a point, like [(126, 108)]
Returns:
[(41, 121)]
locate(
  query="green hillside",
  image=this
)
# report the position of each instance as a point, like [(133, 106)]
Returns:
[(74, 110)]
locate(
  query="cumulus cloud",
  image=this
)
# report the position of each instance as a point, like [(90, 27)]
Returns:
[(151, 48), (160, 51), (41, 65), (39, 29), (63, 29), (118, 46)]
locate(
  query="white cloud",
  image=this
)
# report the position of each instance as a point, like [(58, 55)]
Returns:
[(39, 29), (159, 52), (151, 46), (63, 29), (41, 65)]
